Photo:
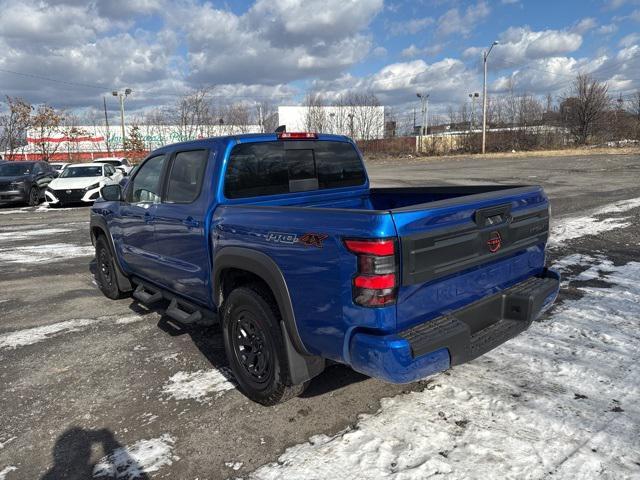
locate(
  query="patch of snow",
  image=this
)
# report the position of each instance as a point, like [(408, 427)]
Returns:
[(14, 211), (576, 259), (5, 471), (45, 207), (575, 227), (199, 385), (53, 252), (3, 443), (144, 456), (29, 336), (234, 465), (27, 234), (559, 400), (129, 319)]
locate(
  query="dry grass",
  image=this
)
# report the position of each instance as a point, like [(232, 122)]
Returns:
[(569, 152)]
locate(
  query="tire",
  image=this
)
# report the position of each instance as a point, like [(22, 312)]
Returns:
[(34, 197), (251, 323), (106, 271)]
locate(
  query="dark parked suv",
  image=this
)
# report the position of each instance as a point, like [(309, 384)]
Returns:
[(24, 182)]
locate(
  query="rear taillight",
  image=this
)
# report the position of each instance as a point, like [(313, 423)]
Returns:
[(375, 284)]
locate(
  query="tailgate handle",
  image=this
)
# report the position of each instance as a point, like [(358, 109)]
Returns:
[(492, 216)]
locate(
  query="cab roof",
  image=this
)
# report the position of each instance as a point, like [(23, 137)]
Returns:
[(246, 138)]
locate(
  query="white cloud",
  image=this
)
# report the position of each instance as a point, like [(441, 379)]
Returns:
[(519, 45), (280, 41), (629, 40), (398, 83), (410, 27), (584, 25), (455, 21), (413, 51), (607, 29)]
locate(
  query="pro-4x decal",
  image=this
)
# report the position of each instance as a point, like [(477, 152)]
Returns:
[(308, 239), (313, 239)]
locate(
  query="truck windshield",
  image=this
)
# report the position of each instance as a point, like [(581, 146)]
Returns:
[(271, 168)]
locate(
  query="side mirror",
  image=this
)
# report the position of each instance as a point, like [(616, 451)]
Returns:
[(112, 193)]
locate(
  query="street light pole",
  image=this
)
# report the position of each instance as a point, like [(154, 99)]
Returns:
[(484, 96), (122, 97)]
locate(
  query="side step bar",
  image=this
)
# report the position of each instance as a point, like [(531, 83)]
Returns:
[(177, 312), (179, 309), (146, 295)]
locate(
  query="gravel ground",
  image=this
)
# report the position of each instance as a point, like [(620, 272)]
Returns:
[(82, 377)]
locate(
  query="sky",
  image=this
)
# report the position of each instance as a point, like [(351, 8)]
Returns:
[(276, 51)]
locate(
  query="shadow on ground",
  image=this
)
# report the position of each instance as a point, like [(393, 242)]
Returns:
[(208, 339), (73, 453)]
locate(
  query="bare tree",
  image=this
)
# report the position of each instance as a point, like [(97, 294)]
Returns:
[(193, 113), (14, 124), (237, 117), (367, 117), (267, 116), (635, 106), (586, 107), (46, 121), (315, 119)]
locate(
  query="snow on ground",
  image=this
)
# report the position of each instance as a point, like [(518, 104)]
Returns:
[(559, 400), (5, 471), (144, 456), (29, 336), (15, 211), (574, 227), (199, 385), (53, 252), (22, 234)]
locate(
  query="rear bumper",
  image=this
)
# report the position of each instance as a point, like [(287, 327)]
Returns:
[(457, 337)]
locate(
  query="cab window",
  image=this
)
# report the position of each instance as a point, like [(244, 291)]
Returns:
[(145, 186)]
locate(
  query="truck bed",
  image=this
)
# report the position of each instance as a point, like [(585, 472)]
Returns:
[(384, 200)]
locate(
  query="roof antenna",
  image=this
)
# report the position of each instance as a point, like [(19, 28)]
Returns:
[(281, 128)]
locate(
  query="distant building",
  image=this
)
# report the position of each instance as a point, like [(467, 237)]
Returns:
[(87, 142), (360, 122)]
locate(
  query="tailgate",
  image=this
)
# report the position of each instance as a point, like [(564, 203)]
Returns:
[(454, 252)]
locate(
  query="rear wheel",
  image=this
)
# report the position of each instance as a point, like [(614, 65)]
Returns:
[(254, 346), (34, 196), (106, 271)]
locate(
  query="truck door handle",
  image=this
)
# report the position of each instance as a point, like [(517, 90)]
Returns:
[(191, 222), (148, 218)]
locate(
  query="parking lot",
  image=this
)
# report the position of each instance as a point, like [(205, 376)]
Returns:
[(91, 387)]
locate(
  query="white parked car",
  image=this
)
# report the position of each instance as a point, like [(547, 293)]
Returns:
[(120, 163), (81, 183), (59, 166)]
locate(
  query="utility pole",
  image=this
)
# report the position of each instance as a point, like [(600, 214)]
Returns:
[(424, 105), (122, 97), (106, 122), (485, 55), (473, 97)]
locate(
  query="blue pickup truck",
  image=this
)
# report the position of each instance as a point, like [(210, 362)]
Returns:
[(280, 238)]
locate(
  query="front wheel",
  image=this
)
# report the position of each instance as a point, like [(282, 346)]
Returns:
[(106, 271), (255, 348), (34, 197)]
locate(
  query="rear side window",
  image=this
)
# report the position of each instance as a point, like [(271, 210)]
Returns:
[(145, 186), (270, 168), (185, 179)]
